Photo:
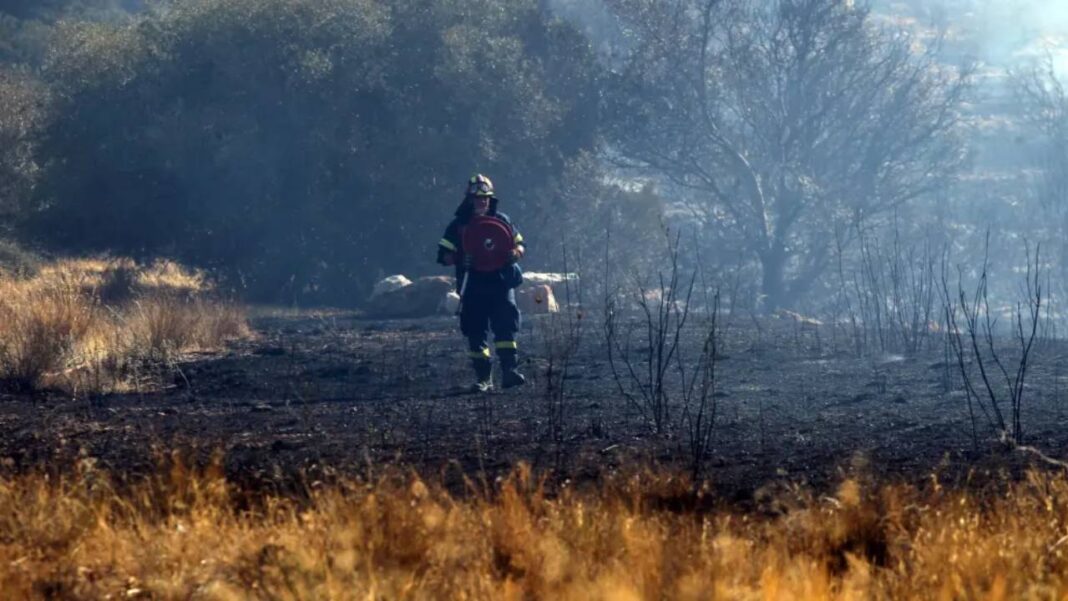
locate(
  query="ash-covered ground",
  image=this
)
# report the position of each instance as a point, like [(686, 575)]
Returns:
[(316, 396)]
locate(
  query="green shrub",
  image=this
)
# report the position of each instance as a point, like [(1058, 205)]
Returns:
[(307, 146)]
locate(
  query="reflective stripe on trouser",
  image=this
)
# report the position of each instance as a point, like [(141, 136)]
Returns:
[(503, 345), (480, 360), (479, 353)]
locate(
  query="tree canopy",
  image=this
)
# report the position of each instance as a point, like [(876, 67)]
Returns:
[(788, 120), (305, 146)]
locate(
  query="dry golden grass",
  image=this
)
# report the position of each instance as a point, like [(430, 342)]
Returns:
[(179, 536), (96, 325)]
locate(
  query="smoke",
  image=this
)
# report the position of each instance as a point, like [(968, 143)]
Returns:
[(1023, 30), (1002, 34)]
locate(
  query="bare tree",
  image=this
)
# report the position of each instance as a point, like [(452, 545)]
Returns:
[(700, 407), (1045, 109), (975, 345), (894, 288), (644, 375), (562, 335), (785, 118)]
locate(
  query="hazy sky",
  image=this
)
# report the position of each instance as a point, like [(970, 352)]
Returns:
[(1017, 29), (1000, 32)]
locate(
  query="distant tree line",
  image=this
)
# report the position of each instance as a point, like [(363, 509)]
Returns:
[(306, 148)]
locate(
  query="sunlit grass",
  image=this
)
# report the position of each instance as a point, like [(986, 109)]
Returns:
[(96, 325), (181, 536)]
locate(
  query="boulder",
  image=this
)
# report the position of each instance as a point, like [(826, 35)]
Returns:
[(552, 279), (390, 284), (450, 303), (424, 297), (801, 320), (398, 296), (537, 298), (560, 282)]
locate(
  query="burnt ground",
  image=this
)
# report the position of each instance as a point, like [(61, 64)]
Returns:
[(334, 394)]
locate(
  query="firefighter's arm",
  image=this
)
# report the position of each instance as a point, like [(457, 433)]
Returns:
[(448, 247), (520, 245)]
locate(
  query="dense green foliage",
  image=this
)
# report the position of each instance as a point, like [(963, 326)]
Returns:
[(20, 114), (308, 147)]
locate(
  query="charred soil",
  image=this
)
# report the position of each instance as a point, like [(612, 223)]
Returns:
[(318, 396)]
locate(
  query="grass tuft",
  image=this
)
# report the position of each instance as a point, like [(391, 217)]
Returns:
[(98, 325), (188, 534)]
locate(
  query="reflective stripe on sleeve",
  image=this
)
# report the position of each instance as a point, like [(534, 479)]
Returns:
[(518, 238), (448, 245)]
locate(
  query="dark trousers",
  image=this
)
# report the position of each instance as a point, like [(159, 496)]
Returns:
[(490, 309)]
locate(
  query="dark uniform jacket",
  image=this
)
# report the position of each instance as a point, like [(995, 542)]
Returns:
[(508, 277)]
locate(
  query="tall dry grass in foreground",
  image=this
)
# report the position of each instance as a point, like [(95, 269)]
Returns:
[(180, 537), (97, 325)]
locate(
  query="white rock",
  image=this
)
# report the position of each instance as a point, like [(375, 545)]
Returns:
[(450, 303), (536, 299), (390, 284), (420, 298), (536, 277), (564, 285)]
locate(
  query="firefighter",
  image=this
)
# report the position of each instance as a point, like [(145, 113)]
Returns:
[(487, 298)]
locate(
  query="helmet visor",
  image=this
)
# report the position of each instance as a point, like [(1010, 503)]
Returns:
[(480, 188)]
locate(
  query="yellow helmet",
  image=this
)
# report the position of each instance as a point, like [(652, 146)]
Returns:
[(479, 185)]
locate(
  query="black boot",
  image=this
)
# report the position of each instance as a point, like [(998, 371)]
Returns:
[(483, 375), (510, 376)]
